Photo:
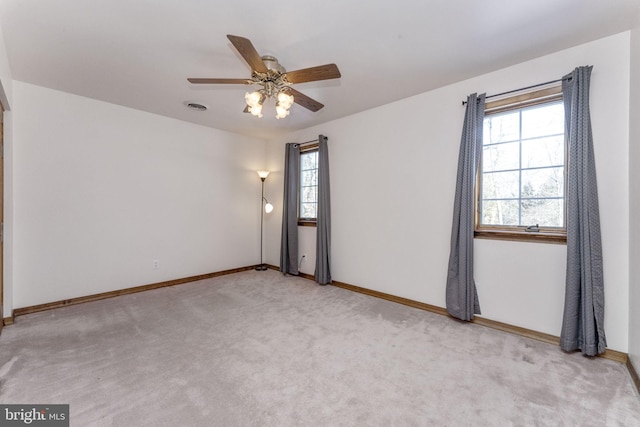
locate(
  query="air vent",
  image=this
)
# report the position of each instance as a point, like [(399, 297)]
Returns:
[(196, 106)]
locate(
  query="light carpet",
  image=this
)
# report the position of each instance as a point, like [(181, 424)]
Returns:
[(262, 349)]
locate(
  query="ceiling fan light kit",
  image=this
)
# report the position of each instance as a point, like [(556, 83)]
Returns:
[(274, 81)]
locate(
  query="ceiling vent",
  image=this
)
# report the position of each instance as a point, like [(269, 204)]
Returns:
[(196, 106)]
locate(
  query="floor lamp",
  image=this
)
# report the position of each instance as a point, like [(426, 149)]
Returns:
[(268, 207)]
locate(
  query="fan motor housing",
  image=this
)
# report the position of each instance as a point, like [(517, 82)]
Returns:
[(271, 62)]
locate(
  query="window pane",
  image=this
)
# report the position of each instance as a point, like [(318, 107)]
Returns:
[(308, 210), (309, 194), (522, 176), (543, 152), (544, 212), (309, 160), (543, 120), (501, 157), (547, 182), (309, 177), (308, 184), (500, 185), (501, 128), (500, 212)]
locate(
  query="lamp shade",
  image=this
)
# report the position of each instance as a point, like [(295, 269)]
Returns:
[(263, 174), (268, 207)]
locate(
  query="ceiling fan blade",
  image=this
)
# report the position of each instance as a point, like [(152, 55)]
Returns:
[(248, 52), (220, 81), (302, 99), (321, 72)]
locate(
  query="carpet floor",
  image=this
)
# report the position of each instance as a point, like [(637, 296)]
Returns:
[(262, 349)]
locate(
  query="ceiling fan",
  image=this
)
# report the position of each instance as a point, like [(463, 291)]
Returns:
[(273, 80)]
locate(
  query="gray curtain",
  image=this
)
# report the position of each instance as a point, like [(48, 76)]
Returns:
[(323, 229), (462, 297), (583, 320), (289, 241)]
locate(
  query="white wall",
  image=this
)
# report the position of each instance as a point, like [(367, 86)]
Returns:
[(102, 190), (393, 177), (634, 193)]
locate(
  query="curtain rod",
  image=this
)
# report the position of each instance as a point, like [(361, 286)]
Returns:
[(523, 88)]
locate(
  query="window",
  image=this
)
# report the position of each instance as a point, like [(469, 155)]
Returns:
[(521, 179), (308, 198)]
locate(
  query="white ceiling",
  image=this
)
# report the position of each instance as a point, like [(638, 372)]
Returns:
[(139, 53)]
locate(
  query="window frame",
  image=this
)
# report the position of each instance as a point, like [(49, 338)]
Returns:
[(511, 232), (306, 222)]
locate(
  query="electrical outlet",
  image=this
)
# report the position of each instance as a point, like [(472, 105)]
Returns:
[(156, 264)]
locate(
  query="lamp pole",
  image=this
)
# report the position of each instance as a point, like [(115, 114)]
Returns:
[(263, 175)]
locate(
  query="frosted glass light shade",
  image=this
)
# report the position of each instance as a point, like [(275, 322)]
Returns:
[(256, 110), (263, 174), (285, 100), (253, 98), (281, 112), (268, 207)]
